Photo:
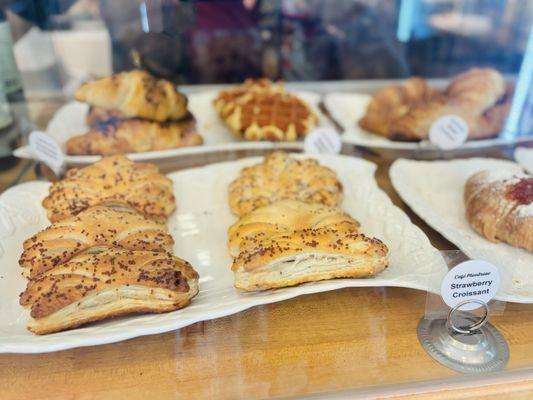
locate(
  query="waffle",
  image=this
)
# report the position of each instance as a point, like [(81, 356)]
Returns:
[(262, 110)]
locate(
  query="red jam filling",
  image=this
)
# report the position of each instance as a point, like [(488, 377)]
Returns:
[(522, 191)]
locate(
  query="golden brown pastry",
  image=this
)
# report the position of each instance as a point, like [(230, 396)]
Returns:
[(394, 102), (97, 115), (112, 283), (499, 206), (261, 110), (282, 217), (308, 255), (479, 96), (93, 228), (279, 177), (135, 94), (112, 181), (120, 136)]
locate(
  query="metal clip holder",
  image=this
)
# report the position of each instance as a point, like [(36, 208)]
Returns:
[(463, 341)]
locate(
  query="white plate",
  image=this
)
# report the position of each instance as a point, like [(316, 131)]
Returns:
[(348, 108), (199, 229), (524, 157), (434, 190), (70, 120)]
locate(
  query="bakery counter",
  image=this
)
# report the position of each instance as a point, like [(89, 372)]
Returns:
[(349, 343)]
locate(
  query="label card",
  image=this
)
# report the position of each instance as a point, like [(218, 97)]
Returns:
[(47, 150), (470, 280), (448, 132), (322, 140)]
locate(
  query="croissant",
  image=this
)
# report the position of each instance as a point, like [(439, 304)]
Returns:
[(479, 96), (308, 255), (135, 94), (97, 115), (280, 177), (115, 282), (93, 228), (499, 206), (283, 217), (111, 181), (119, 136)]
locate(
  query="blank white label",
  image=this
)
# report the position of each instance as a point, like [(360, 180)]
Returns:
[(470, 280), (322, 140), (47, 150), (448, 132)]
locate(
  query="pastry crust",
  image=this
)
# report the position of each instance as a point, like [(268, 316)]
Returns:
[(95, 227), (112, 181), (120, 136), (135, 94), (499, 206), (280, 177), (115, 282), (306, 256), (262, 110), (97, 115), (283, 217), (479, 96)]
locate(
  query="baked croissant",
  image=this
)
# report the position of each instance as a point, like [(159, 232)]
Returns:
[(97, 115), (499, 206), (279, 177), (95, 227), (283, 217), (120, 136), (407, 112), (136, 94), (111, 181), (115, 282), (308, 255)]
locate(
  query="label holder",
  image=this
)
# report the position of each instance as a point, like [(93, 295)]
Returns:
[(460, 336)]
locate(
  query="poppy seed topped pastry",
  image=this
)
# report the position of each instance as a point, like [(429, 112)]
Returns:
[(135, 94), (114, 282), (134, 135), (499, 206), (280, 177), (112, 181), (282, 217), (262, 110), (308, 255), (88, 231)]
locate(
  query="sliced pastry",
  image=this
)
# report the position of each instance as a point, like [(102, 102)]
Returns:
[(112, 181), (135, 94), (88, 231), (279, 177), (282, 217), (112, 283), (308, 255), (120, 136), (499, 206)]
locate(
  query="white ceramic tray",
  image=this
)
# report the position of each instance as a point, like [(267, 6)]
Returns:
[(199, 229), (348, 108), (524, 157), (434, 190), (70, 120)]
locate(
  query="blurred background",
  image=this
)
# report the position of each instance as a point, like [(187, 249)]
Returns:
[(222, 41)]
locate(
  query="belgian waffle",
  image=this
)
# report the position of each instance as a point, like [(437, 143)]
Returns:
[(262, 110)]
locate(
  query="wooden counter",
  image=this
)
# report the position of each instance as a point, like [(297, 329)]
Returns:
[(356, 342)]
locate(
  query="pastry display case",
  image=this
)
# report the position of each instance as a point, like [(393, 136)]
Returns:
[(266, 199)]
